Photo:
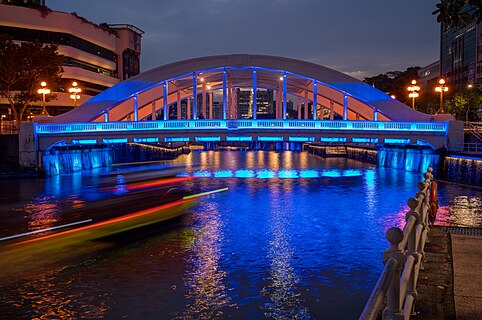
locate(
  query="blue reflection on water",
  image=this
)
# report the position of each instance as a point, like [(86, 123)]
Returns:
[(295, 236)]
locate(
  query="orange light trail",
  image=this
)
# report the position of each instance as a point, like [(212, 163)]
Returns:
[(157, 183), (107, 222)]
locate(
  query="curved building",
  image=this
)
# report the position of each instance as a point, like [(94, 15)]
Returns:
[(96, 56), (241, 86)]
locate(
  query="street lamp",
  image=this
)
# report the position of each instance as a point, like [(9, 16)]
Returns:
[(74, 90), (413, 89), (43, 91), (441, 88)]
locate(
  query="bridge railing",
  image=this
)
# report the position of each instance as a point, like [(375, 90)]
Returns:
[(403, 260), (44, 128)]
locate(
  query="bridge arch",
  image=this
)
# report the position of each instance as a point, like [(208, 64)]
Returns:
[(172, 87)]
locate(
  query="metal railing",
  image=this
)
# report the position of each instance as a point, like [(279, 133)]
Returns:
[(438, 127), (469, 147), (474, 129), (403, 260)]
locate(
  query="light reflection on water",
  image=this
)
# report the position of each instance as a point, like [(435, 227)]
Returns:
[(294, 237)]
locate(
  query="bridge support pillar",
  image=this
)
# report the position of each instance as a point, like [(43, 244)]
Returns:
[(224, 93), (210, 104), (315, 99), (306, 105), (154, 111), (255, 94), (194, 96), (106, 116), (178, 105), (136, 107), (345, 107), (332, 110), (166, 104), (285, 103)]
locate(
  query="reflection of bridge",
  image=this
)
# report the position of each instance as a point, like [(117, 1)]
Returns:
[(306, 103)]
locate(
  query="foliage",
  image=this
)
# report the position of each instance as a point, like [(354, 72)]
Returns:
[(458, 13), (22, 67), (395, 82), (464, 104)]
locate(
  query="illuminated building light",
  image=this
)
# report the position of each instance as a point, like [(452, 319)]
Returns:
[(223, 174), (364, 140), (84, 141), (397, 141), (208, 139), (115, 140), (301, 139), (266, 174), (239, 139), (287, 174), (333, 139), (263, 138), (309, 174), (244, 174), (176, 139), (147, 140)]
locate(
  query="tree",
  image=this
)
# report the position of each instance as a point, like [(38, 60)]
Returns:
[(22, 67), (458, 13), (395, 82), (464, 104)]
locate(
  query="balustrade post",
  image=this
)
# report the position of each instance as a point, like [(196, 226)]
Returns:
[(393, 311)]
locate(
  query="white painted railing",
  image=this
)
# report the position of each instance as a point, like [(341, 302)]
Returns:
[(434, 127), (403, 260)]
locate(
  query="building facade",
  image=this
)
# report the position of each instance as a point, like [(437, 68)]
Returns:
[(428, 77), (460, 58), (96, 56)]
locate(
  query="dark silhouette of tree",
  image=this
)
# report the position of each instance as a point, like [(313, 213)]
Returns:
[(458, 13), (22, 68), (395, 82)]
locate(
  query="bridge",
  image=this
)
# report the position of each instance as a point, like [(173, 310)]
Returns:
[(240, 98)]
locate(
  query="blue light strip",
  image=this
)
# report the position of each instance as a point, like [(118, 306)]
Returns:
[(265, 138), (176, 139), (84, 141), (333, 139), (396, 141), (207, 139), (364, 140), (114, 140), (147, 140), (239, 139), (301, 139), (265, 124)]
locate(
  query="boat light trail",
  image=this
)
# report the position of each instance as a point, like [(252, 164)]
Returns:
[(44, 230)]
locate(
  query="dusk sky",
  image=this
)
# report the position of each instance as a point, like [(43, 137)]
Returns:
[(360, 38)]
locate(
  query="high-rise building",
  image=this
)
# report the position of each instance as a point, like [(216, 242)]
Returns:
[(460, 60), (264, 105), (97, 56)]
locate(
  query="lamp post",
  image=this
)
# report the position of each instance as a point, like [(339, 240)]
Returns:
[(413, 89), (74, 90), (441, 88), (43, 91)]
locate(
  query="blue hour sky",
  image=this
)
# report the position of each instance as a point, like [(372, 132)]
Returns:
[(360, 38)]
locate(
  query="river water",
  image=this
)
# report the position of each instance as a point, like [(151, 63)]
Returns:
[(294, 237)]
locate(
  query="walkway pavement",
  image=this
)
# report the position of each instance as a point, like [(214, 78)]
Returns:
[(450, 286), (467, 261)]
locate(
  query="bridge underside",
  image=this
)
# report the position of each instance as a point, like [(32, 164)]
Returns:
[(241, 87)]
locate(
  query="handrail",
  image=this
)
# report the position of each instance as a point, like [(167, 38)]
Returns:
[(403, 260), (343, 125)]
